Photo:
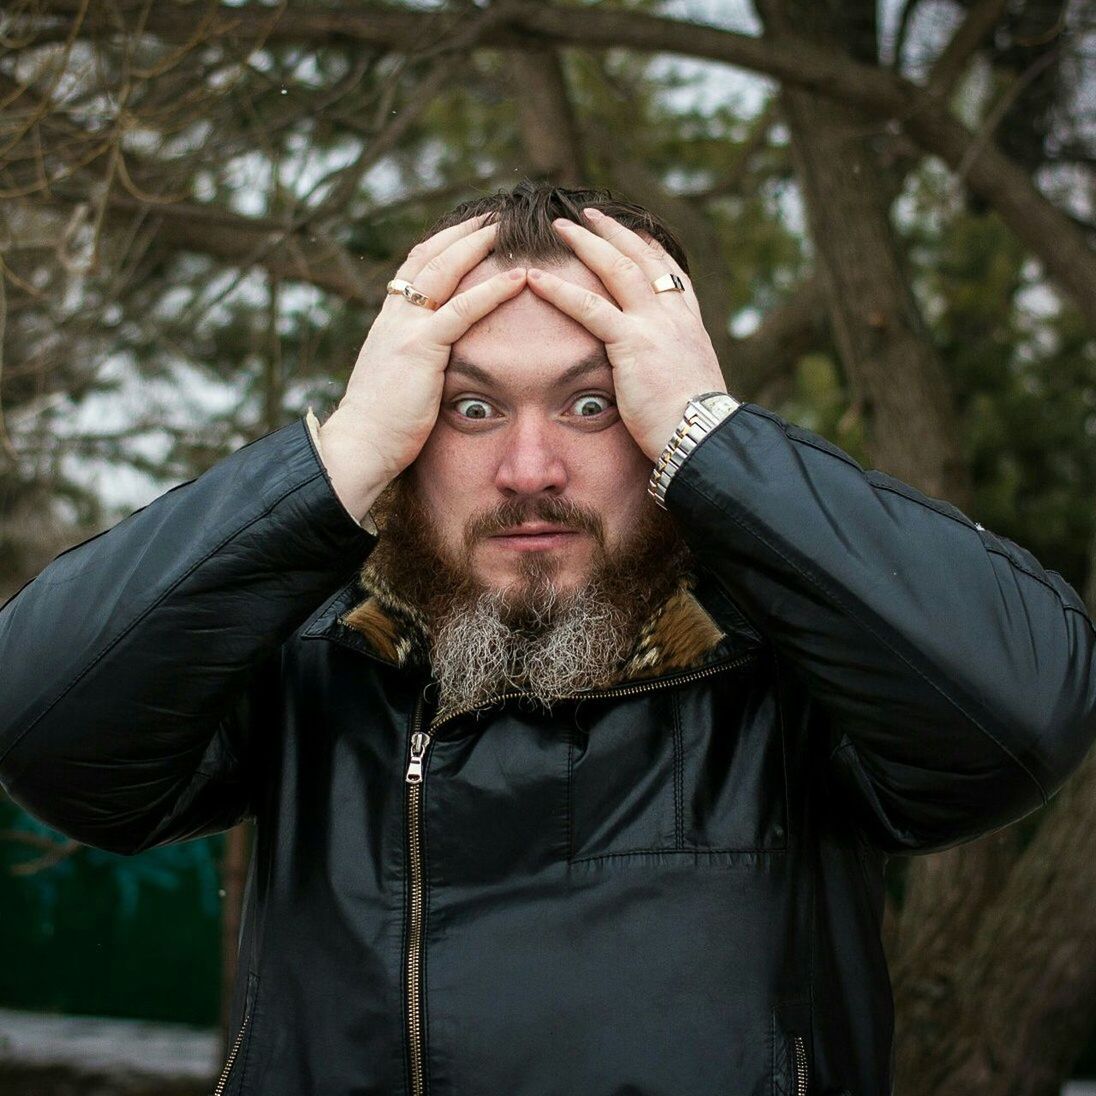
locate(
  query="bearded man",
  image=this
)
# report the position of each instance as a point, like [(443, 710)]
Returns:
[(577, 703)]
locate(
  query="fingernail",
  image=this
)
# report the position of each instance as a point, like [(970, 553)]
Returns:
[(535, 273), (517, 273), (562, 222), (592, 213)]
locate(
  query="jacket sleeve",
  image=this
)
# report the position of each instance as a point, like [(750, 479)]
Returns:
[(955, 674), (132, 668)]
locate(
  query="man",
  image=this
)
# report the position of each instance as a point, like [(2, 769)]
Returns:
[(577, 705)]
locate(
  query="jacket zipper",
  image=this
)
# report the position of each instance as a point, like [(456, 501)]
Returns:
[(420, 741), (800, 1068), (416, 770), (219, 1090)]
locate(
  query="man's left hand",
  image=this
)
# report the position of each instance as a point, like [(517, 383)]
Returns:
[(658, 347)]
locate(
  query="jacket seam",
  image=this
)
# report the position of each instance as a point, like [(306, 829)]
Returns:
[(823, 587), (137, 620), (1032, 575), (782, 729), (1082, 613), (959, 518), (570, 805), (679, 822), (967, 524), (698, 850)]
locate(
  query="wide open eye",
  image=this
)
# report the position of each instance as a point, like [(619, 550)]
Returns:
[(589, 406), (479, 408)]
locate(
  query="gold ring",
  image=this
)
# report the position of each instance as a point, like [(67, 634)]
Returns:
[(406, 289), (668, 283)]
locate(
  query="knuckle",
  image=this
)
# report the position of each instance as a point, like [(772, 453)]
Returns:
[(655, 251), (623, 265), (460, 306), (590, 303), (434, 266)]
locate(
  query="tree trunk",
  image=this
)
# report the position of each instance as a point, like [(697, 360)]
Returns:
[(233, 875), (897, 382), (1025, 990), (546, 118), (900, 387)]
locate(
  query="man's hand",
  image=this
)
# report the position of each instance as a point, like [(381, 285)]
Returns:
[(656, 342), (394, 393)]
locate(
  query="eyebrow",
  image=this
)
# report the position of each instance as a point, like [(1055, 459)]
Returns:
[(592, 363)]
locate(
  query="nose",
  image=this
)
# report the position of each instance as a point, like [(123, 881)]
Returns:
[(532, 460)]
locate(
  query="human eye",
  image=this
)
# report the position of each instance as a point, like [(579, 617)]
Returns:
[(590, 405), (479, 409)]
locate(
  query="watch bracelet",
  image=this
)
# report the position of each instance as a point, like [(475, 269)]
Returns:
[(665, 467)]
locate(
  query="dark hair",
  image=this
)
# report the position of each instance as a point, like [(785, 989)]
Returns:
[(525, 216)]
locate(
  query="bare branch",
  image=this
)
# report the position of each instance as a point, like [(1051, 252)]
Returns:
[(952, 62), (793, 59), (54, 851)]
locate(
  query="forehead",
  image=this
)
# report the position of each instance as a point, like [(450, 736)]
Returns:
[(526, 338)]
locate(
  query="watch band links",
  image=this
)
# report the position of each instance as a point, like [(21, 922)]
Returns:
[(697, 422)]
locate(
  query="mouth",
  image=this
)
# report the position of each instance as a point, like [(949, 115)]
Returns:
[(534, 537)]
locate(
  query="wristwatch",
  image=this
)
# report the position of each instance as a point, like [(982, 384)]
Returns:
[(703, 414)]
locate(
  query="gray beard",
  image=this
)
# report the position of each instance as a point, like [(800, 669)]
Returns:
[(564, 642), (532, 637)]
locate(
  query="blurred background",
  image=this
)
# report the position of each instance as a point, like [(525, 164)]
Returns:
[(890, 211)]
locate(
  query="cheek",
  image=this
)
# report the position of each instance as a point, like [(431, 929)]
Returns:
[(619, 467), (614, 481), (449, 477)]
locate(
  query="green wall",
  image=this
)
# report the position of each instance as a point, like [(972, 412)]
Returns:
[(109, 935)]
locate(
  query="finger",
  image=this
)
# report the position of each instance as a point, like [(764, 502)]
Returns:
[(620, 274), (458, 314), (426, 249), (439, 276), (600, 317), (652, 258)]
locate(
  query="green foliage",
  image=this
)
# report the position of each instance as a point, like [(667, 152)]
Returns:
[(1022, 370)]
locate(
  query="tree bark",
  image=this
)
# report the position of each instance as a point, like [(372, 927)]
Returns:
[(237, 849), (546, 118), (895, 377), (1025, 988)]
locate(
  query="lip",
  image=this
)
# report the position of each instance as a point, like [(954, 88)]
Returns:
[(535, 537), (532, 528)]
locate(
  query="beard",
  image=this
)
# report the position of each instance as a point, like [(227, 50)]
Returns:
[(531, 636)]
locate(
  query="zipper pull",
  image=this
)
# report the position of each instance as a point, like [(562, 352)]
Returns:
[(419, 741)]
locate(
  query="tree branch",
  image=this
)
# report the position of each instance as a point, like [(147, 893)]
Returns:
[(791, 58), (952, 62), (244, 241)]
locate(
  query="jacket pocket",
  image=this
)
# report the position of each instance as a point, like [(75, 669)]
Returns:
[(791, 1048), (697, 768), (232, 1076)]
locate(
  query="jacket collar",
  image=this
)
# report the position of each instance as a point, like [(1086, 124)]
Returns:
[(367, 617)]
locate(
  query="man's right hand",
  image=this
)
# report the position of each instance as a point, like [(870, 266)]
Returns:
[(394, 393)]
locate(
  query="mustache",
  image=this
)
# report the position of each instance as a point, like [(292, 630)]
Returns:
[(511, 512)]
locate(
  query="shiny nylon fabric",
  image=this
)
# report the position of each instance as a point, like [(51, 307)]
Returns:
[(657, 892)]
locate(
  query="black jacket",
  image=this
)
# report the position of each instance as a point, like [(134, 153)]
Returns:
[(672, 886)]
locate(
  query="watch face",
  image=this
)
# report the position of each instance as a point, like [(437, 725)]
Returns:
[(720, 403)]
